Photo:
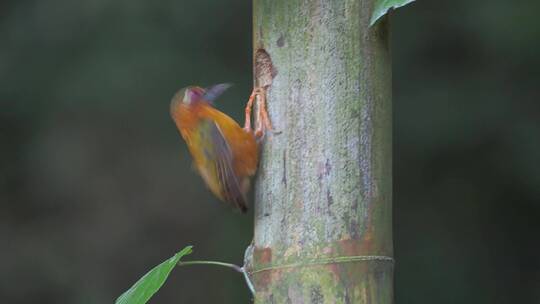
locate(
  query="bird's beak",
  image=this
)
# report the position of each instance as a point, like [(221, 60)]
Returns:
[(213, 92)]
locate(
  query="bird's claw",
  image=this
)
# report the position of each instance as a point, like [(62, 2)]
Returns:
[(263, 121)]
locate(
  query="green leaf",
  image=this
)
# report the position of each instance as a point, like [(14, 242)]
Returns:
[(383, 6), (152, 281)]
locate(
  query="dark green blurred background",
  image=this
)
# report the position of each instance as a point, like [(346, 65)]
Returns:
[(96, 185)]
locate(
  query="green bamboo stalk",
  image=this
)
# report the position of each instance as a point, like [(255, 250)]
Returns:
[(324, 188)]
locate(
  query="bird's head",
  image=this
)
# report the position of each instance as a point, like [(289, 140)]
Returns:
[(188, 95), (185, 98), (192, 94)]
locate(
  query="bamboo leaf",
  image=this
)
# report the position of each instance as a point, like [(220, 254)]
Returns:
[(152, 281), (383, 6)]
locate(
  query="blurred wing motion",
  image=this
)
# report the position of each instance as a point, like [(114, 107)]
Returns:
[(214, 160)]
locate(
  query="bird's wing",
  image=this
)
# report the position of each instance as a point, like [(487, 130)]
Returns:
[(219, 159)]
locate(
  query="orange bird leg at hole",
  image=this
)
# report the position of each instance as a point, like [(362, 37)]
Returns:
[(249, 106), (263, 122)]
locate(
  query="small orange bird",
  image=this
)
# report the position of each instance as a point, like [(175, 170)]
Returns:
[(224, 154)]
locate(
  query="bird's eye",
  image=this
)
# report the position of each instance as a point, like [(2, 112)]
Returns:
[(193, 95)]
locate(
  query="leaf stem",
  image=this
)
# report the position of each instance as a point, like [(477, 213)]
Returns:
[(228, 265)]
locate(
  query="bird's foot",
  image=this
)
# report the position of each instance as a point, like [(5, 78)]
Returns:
[(263, 123)]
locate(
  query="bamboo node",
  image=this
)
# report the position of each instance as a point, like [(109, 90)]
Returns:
[(326, 261)]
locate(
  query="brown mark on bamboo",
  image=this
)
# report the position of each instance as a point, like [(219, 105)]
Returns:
[(354, 247), (263, 257)]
